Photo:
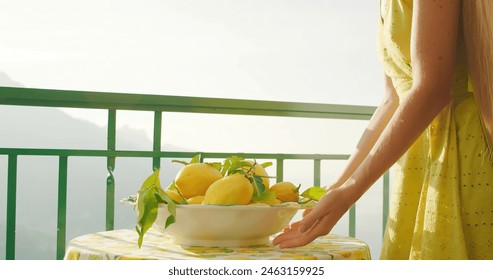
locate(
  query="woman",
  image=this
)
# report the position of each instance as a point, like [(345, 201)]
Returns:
[(436, 123)]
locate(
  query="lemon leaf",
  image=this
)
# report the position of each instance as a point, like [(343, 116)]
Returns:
[(145, 193), (266, 164), (258, 185), (164, 198), (216, 165), (153, 179), (170, 220), (265, 196), (225, 167), (232, 164), (196, 159), (172, 186), (314, 193), (141, 236), (180, 161), (238, 165), (149, 196), (147, 211)]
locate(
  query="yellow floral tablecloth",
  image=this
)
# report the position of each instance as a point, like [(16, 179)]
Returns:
[(122, 245)]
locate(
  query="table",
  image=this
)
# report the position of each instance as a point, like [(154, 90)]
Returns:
[(122, 245)]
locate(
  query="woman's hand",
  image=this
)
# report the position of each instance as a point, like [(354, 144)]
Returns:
[(317, 222)]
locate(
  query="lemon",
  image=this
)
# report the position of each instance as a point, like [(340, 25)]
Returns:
[(196, 199), (234, 189), (258, 170), (285, 191), (194, 179), (173, 195)]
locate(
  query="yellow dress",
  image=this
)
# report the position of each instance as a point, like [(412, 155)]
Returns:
[(442, 191)]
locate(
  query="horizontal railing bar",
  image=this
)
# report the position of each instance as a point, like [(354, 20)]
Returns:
[(166, 103), (162, 154)]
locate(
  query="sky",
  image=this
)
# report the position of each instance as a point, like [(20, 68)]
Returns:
[(269, 50), (303, 51), (317, 51)]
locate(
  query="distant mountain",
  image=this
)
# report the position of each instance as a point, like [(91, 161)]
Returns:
[(37, 127)]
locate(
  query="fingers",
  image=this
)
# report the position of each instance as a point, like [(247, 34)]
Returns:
[(285, 236), (309, 219), (293, 238), (317, 222), (293, 227), (323, 208), (306, 212), (296, 239)]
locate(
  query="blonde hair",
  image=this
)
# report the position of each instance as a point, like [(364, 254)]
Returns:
[(478, 34)]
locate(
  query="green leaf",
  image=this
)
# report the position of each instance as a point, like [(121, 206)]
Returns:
[(240, 171), (141, 236), (147, 204), (238, 164), (196, 159), (180, 161), (225, 167), (265, 196), (216, 165), (146, 193), (258, 185), (152, 180), (170, 220), (234, 163), (171, 205), (266, 164), (147, 211), (314, 193), (172, 186)]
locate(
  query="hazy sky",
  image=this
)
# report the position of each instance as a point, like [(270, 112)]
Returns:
[(273, 50), (309, 51)]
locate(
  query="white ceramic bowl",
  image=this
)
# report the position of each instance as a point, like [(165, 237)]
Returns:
[(229, 226)]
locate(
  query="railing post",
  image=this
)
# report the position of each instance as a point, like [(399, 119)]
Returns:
[(385, 200), (279, 170), (110, 165), (352, 221), (11, 207), (316, 172), (62, 207), (156, 147)]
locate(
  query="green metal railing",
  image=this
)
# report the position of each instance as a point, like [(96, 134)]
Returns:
[(112, 102)]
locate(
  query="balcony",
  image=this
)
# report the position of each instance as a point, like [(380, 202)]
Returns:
[(52, 191)]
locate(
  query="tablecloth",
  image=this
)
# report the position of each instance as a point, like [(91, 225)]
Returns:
[(122, 245)]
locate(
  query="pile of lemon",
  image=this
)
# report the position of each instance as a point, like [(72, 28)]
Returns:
[(235, 181), (205, 183)]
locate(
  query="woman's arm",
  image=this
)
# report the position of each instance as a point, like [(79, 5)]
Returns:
[(433, 50), (377, 123)]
